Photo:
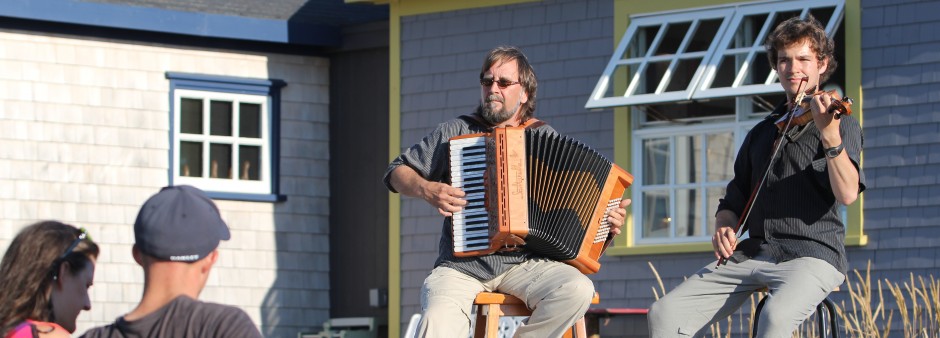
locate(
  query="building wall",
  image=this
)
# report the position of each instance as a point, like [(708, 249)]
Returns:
[(901, 78), (84, 139)]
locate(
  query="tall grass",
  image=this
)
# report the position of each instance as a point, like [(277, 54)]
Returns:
[(866, 313)]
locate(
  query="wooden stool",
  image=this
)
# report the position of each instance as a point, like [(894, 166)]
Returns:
[(494, 305), (820, 321)]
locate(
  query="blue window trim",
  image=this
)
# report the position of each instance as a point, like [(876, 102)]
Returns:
[(236, 85)]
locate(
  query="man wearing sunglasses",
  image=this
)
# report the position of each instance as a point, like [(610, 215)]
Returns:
[(557, 293), (177, 234)]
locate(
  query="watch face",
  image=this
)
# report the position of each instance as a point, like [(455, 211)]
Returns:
[(834, 151)]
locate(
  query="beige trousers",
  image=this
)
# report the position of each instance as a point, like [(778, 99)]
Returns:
[(557, 293)]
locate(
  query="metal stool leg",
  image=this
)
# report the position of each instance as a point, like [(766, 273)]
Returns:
[(820, 320), (833, 317), (760, 306)]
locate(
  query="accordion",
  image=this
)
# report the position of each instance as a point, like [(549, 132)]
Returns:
[(532, 188)]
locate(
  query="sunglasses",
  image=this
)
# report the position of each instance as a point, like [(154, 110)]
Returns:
[(501, 83), (83, 236)]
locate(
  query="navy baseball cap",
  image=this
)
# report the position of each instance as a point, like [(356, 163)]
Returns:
[(179, 223)]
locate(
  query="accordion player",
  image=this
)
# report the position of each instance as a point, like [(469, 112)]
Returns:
[(531, 188)]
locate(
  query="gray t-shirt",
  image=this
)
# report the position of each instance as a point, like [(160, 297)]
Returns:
[(183, 317), (429, 158)]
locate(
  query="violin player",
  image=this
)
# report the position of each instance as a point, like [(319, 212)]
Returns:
[(791, 175)]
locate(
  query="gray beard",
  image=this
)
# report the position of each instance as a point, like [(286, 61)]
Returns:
[(495, 117)]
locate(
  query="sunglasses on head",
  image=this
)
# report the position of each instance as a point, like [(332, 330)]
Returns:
[(82, 236)]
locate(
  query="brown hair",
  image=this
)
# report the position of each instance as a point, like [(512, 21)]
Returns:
[(795, 30), (526, 74), (29, 268)]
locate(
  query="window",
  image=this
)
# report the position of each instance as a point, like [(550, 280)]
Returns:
[(701, 54), (695, 81), (223, 135)]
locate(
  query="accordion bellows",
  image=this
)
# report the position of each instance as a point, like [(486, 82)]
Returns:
[(532, 188)]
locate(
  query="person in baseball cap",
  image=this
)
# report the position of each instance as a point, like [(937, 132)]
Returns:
[(180, 223), (177, 235)]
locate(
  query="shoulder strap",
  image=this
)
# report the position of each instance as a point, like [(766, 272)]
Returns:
[(475, 119), (533, 123)]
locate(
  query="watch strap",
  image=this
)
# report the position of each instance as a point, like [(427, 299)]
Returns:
[(835, 151)]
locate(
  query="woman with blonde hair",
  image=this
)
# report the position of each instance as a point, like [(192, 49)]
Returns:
[(44, 279)]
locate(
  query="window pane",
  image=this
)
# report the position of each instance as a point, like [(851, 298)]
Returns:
[(191, 116), (654, 73), (728, 69), (656, 214), (688, 159), (221, 118), (720, 158), (783, 16), (714, 194), (675, 32), (250, 158), (688, 218), (220, 160), (747, 32), (249, 120), (682, 75), (191, 159), (656, 166), (707, 31), (759, 70), (640, 43), (823, 14)]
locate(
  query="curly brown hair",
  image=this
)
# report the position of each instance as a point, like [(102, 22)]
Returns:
[(796, 30), (526, 74), (29, 268)]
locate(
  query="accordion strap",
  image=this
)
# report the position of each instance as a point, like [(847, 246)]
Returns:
[(530, 123)]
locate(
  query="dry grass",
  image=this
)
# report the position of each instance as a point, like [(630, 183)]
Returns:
[(866, 315)]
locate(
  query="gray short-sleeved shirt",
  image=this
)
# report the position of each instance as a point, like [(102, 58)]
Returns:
[(429, 158), (183, 317)]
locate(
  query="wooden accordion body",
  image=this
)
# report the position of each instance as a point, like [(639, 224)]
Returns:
[(537, 189)]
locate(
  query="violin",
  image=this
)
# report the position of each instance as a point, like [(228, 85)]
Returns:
[(839, 106)]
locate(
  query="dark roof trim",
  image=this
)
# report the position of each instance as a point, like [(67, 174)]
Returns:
[(169, 21)]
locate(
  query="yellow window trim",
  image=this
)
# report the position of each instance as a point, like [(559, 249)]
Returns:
[(625, 244)]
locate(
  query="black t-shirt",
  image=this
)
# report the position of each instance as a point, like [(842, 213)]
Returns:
[(184, 317)]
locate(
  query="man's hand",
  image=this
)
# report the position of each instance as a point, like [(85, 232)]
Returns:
[(616, 217), (446, 198), (724, 242), (725, 239), (827, 125)]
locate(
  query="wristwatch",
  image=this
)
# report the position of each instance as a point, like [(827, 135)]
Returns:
[(834, 151)]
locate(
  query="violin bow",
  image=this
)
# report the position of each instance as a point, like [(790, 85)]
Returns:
[(739, 228)]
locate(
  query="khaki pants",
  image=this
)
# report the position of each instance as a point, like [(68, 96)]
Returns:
[(711, 294), (557, 293)]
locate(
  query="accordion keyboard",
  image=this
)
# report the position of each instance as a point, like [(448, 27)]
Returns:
[(468, 163)]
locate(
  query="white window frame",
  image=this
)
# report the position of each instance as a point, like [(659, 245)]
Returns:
[(738, 129), (266, 93), (233, 184), (700, 86)]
